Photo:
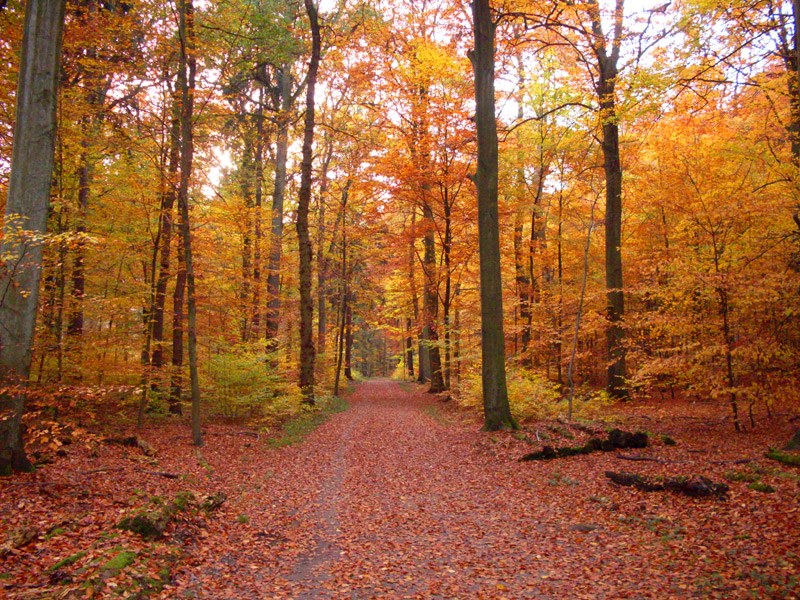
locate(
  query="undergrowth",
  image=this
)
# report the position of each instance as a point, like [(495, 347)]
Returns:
[(297, 427)]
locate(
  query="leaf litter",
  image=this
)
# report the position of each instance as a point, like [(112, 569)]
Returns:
[(402, 497)]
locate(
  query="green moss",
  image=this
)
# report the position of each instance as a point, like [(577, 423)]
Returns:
[(53, 533), (112, 567), (761, 487), (65, 562), (5, 576), (242, 519), (787, 458), (299, 426), (741, 476), (668, 441), (183, 500)]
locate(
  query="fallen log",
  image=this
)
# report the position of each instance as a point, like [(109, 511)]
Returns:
[(133, 441), (648, 459), (616, 439), (693, 485)]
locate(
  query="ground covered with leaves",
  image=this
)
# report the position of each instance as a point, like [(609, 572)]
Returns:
[(401, 496)]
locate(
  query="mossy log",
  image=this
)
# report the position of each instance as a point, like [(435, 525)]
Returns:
[(616, 439), (151, 522), (693, 485)]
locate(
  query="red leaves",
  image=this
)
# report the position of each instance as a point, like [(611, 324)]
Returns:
[(386, 501)]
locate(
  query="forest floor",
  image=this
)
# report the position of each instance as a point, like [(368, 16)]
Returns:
[(401, 496)]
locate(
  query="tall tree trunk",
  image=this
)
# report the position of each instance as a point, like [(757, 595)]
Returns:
[(25, 220), (497, 414), (607, 78), (430, 302), (447, 248), (258, 168), (189, 62), (322, 258), (246, 174), (307, 350), (178, 316), (166, 217), (342, 311), (278, 193), (75, 327), (523, 287), (409, 348), (423, 364)]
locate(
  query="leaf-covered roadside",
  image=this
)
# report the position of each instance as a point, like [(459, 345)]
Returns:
[(402, 497)]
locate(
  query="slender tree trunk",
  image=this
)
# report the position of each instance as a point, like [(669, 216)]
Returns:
[(307, 350), (258, 168), (579, 314), (423, 364), (25, 220), (430, 303), (164, 268), (348, 340), (409, 343), (188, 59), (523, 285), (342, 311), (457, 341), (497, 414), (278, 194), (246, 172), (75, 327), (322, 259), (447, 247), (178, 301)]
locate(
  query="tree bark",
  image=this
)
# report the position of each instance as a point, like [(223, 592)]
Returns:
[(166, 221), (25, 220), (348, 339), (497, 413), (189, 62), (272, 320), (607, 78), (307, 350), (430, 302)]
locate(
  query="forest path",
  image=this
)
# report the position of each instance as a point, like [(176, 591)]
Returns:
[(391, 499)]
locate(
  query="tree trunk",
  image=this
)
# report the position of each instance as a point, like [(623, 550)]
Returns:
[(307, 350), (166, 221), (423, 364), (258, 168), (342, 311), (607, 78), (278, 194), (25, 220), (430, 302), (409, 353), (348, 340), (178, 298), (497, 414), (245, 185), (189, 62)]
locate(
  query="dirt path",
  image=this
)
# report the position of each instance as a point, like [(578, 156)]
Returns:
[(389, 500), (386, 501)]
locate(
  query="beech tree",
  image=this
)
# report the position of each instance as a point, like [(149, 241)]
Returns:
[(26, 217), (497, 413), (307, 349)]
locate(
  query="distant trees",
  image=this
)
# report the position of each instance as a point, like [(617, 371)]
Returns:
[(170, 201)]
